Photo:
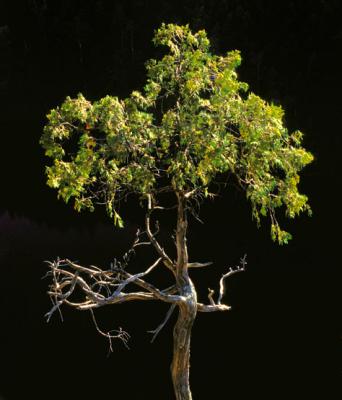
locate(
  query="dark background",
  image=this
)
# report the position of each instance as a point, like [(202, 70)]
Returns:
[(283, 335)]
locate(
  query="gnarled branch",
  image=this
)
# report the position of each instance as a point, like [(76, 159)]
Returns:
[(102, 287), (218, 306), (96, 284)]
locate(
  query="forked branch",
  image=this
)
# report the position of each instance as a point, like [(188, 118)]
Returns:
[(87, 288), (100, 287), (219, 306), (113, 334)]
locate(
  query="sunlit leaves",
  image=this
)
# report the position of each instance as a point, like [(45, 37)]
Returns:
[(192, 121)]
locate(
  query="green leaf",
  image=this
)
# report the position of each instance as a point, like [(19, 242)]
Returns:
[(118, 220), (191, 124)]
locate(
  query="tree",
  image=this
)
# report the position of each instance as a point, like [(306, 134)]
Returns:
[(193, 122)]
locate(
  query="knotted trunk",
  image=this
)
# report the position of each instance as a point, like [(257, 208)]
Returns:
[(181, 344), (180, 366)]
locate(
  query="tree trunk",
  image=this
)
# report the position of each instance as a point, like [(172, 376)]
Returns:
[(181, 344), (180, 366)]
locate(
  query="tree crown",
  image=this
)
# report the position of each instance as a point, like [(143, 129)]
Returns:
[(192, 121)]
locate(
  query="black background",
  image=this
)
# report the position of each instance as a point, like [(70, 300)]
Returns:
[(282, 337)]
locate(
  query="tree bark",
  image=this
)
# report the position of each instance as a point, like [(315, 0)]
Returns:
[(180, 366)]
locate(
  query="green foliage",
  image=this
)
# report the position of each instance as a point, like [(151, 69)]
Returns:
[(192, 121)]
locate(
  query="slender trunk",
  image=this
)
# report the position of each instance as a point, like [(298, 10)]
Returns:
[(180, 366)]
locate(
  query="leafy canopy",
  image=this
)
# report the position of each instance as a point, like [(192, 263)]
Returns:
[(192, 121)]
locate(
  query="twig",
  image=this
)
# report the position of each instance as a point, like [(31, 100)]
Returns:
[(120, 334), (210, 296), (161, 326)]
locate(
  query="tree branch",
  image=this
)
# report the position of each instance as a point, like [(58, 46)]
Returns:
[(231, 272), (199, 265), (103, 287), (218, 306), (212, 308), (118, 278), (166, 295), (122, 298), (161, 326), (166, 259), (132, 278), (119, 334)]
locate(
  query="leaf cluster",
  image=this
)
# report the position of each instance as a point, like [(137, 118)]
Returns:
[(192, 121)]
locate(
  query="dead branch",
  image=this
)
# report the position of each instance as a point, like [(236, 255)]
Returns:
[(199, 265), (212, 308), (119, 333), (218, 306), (166, 259), (133, 278), (210, 296), (87, 288), (166, 295), (95, 284), (102, 287), (161, 326), (231, 272)]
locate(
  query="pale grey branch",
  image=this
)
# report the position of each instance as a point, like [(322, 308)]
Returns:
[(161, 326), (166, 295), (122, 298), (210, 296), (212, 308), (231, 272), (133, 278), (199, 265), (218, 306), (65, 281)]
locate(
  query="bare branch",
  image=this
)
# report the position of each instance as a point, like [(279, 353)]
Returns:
[(166, 259), (119, 333), (164, 295), (199, 265), (57, 299), (218, 306), (142, 244), (210, 296), (65, 282), (103, 287), (212, 308), (171, 290), (137, 242), (122, 298), (133, 278), (161, 326), (89, 271), (231, 272)]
